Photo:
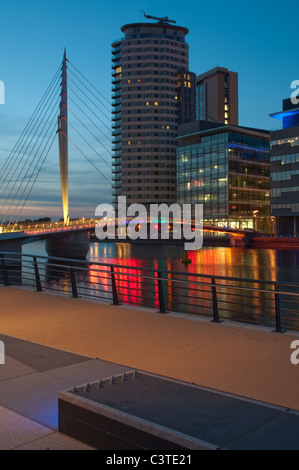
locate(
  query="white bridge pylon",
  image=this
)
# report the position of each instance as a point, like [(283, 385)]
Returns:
[(63, 141)]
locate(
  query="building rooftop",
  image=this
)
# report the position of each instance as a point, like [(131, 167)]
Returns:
[(282, 114), (155, 25), (211, 72), (201, 126)]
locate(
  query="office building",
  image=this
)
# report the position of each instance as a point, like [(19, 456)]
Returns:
[(227, 169), (217, 96), (153, 92), (284, 170)]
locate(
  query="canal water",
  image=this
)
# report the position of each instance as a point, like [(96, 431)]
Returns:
[(238, 305)]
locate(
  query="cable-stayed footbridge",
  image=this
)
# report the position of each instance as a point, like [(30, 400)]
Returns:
[(70, 103)]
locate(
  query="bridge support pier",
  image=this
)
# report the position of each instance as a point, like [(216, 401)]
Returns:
[(68, 245)]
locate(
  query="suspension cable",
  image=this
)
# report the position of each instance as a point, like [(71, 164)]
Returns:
[(87, 107), (90, 121), (108, 109), (27, 148), (88, 82), (34, 170), (90, 133), (36, 178), (86, 157), (88, 98), (28, 157), (10, 160)]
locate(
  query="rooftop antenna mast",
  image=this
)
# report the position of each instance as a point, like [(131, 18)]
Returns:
[(165, 19)]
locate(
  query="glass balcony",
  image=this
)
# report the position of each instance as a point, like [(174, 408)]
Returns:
[(116, 110), (116, 102)]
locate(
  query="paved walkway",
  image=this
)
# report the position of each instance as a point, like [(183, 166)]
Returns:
[(54, 342)]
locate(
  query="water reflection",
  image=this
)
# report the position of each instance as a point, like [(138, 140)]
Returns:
[(135, 287)]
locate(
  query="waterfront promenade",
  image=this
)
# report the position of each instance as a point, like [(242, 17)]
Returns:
[(252, 362)]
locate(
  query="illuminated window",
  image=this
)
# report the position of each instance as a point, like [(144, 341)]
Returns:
[(225, 107), (118, 70), (156, 103), (129, 142), (175, 97), (189, 84), (139, 80), (129, 81), (226, 115), (147, 103)]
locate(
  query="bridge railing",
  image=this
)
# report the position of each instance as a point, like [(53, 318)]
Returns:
[(269, 303)]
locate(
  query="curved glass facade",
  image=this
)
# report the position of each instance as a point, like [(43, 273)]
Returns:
[(151, 88)]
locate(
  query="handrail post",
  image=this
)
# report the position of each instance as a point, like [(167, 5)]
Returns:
[(114, 288), (215, 302), (74, 283), (37, 276), (4, 271), (161, 294), (277, 310)]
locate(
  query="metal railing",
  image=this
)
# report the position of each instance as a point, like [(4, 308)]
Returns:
[(269, 303)]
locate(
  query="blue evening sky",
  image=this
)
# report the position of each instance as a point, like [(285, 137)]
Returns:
[(257, 39)]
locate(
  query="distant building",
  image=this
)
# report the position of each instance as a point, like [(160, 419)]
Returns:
[(284, 170), (227, 169), (152, 92), (217, 96)]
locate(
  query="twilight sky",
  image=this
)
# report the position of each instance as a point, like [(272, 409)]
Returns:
[(256, 39)]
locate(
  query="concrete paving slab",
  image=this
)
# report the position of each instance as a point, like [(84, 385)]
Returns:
[(55, 441), (17, 430), (87, 371), (34, 396), (8, 339), (39, 357), (13, 368)]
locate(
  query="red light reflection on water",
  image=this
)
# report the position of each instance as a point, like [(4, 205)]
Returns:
[(186, 294)]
